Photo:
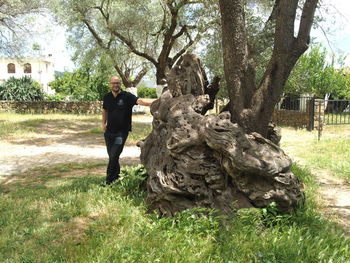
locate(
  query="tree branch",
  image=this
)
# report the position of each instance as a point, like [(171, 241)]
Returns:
[(129, 44), (307, 18), (284, 35), (94, 33), (124, 76), (185, 48), (139, 76)]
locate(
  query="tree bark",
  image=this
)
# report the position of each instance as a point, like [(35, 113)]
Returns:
[(252, 106), (206, 160)]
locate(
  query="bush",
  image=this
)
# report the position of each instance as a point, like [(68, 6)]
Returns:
[(22, 89), (146, 93), (81, 85)]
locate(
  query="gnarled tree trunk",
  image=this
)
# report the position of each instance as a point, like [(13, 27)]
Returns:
[(206, 160)]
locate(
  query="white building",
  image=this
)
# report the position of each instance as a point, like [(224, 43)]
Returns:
[(40, 69)]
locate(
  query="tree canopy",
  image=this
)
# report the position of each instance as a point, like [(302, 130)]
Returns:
[(157, 31), (15, 23), (313, 74)]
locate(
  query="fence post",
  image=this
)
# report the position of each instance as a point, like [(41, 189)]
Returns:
[(311, 124)]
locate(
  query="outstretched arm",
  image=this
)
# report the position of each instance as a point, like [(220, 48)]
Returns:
[(145, 102)]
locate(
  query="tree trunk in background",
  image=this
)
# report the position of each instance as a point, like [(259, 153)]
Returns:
[(252, 105), (206, 160)]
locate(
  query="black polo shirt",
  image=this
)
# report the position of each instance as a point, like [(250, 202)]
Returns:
[(119, 111)]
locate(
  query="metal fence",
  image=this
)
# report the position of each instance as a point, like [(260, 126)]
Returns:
[(337, 112), (334, 112), (295, 103)]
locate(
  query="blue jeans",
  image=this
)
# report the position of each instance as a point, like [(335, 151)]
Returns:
[(115, 144)]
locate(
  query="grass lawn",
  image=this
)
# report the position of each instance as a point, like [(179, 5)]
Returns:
[(331, 153), (61, 214)]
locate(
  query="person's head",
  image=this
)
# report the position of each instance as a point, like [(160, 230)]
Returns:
[(115, 84)]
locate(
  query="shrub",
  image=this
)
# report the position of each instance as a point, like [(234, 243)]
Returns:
[(21, 89), (55, 97), (147, 93), (81, 85)]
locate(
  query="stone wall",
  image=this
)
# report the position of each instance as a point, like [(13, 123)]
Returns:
[(75, 107), (319, 116), (292, 118)]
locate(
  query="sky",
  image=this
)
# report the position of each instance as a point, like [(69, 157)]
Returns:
[(52, 40), (333, 33)]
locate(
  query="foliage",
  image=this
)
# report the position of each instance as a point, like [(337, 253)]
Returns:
[(144, 92), (15, 23), (213, 60), (84, 84), (314, 75), (21, 89), (159, 32), (55, 97)]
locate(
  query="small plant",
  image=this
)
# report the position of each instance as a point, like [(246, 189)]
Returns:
[(132, 181), (272, 216), (197, 220)]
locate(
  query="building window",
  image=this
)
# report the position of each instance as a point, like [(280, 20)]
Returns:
[(27, 68), (11, 68)]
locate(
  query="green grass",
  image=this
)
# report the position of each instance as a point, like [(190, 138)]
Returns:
[(61, 214), (331, 153)]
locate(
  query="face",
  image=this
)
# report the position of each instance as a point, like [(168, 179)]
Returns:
[(115, 84)]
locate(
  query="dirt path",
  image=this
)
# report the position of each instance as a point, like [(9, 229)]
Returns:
[(334, 193), (336, 197), (17, 156), (60, 141)]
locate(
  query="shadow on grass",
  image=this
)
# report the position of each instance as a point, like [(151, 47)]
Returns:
[(72, 176)]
